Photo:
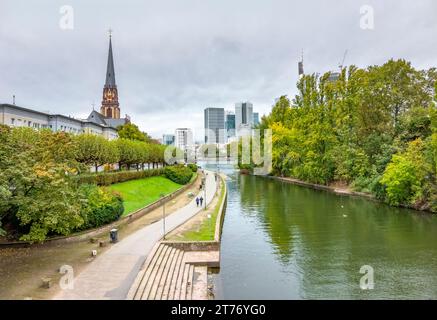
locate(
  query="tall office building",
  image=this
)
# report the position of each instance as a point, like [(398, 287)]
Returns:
[(255, 120), (230, 124), (214, 125), (243, 118), (168, 139), (183, 138)]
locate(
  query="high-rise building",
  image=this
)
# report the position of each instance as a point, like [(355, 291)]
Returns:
[(214, 125), (243, 118), (183, 138), (230, 124), (168, 139), (255, 120)]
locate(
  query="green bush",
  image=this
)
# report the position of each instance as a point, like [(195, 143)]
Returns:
[(108, 178), (179, 174), (193, 167), (101, 207)]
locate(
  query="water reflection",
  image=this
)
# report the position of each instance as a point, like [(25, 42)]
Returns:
[(282, 241)]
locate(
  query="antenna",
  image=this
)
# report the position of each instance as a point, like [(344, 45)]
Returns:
[(342, 61), (13, 99), (300, 66)]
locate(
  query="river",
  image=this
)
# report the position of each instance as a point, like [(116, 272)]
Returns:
[(282, 241)]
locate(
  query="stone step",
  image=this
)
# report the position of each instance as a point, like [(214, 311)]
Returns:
[(183, 289), (189, 292), (178, 286), (167, 268), (151, 279), (172, 277), (138, 287), (200, 283), (159, 273)]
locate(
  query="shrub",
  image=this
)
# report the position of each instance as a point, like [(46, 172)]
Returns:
[(101, 207), (193, 167), (108, 178), (179, 174), (405, 175)]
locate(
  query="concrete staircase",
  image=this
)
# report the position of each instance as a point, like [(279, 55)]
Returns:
[(171, 273)]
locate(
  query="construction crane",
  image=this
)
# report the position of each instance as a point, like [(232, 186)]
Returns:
[(342, 62)]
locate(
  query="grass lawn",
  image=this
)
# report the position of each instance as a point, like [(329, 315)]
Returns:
[(139, 193), (206, 231)]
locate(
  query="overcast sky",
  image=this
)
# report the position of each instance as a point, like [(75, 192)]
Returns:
[(173, 58)]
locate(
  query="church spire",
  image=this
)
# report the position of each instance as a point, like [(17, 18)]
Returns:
[(110, 73), (110, 107)]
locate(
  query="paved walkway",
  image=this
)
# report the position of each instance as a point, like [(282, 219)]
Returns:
[(111, 275)]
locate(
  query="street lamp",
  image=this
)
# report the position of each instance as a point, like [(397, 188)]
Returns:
[(162, 195), (204, 188)]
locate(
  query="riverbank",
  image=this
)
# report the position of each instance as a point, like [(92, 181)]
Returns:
[(345, 190), (23, 267), (112, 273), (333, 189), (180, 267), (103, 230)]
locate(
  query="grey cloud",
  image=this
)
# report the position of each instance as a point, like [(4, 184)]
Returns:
[(173, 58)]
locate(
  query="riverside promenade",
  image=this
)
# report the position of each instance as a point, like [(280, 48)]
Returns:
[(111, 274)]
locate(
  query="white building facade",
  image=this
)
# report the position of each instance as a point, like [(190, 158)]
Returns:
[(184, 138), (15, 116)]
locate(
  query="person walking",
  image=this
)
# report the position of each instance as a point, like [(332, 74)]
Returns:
[(197, 201), (201, 200)]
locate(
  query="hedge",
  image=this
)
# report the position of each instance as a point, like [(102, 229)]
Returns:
[(193, 167), (108, 178), (179, 174), (101, 207)]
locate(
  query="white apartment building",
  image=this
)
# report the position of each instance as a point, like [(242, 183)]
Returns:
[(184, 138)]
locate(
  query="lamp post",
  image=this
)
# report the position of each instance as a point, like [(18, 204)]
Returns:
[(204, 189), (162, 195)]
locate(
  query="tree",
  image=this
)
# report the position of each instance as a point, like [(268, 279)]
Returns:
[(94, 150), (38, 194), (349, 129), (405, 175), (131, 131)]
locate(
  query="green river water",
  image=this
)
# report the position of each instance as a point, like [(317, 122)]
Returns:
[(282, 241)]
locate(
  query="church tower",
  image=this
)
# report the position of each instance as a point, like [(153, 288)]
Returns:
[(110, 107)]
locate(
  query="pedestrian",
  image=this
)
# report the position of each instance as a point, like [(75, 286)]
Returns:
[(197, 201), (201, 200)]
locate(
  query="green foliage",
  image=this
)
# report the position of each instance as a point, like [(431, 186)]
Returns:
[(94, 150), (38, 195), (404, 176), (101, 207), (39, 173), (193, 167), (178, 173), (131, 131), (108, 178), (349, 129)]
